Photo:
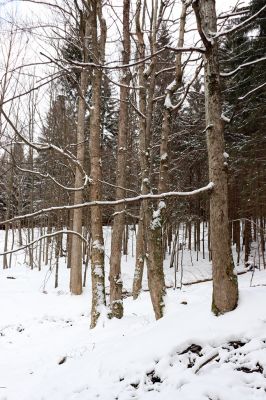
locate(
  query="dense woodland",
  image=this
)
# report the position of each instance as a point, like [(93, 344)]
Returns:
[(157, 127)]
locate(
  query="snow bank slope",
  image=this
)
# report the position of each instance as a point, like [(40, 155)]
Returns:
[(48, 352)]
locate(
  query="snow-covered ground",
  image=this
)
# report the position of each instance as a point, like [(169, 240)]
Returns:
[(48, 352)]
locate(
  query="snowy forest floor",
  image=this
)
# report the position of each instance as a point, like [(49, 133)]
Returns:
[(48, 352)]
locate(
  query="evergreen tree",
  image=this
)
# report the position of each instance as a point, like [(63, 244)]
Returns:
[(245, 99)]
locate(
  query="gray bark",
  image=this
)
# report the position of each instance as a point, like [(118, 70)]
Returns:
[(225, 288), (116, 303), (76, 243), (97, 251)]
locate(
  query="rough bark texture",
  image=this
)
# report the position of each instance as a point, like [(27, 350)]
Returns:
[(225, 288), (140, 252), (154, 250), (116, 284), (141, 248), (76, 246), (156, 219), (247, 238), (97, 251)]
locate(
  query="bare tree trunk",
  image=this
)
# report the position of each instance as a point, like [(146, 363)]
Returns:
[(225, 287), (48, 240), (262, 242), (140, 257), (156, 219), (116, 284), (247, 238), (97, 251), (140, 241), (154, 249), (69, 238), (76, 249)]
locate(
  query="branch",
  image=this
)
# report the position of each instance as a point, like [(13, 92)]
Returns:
[(43, 237), (44, 147), (179, 104), (225, 74), (79, 64), (252, 91), (205, 360), (58, 75), (87, 180), (205, 39), (128, 200), (241, 25)]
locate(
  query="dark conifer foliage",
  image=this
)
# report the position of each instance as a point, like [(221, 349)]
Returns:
[(245, 104)]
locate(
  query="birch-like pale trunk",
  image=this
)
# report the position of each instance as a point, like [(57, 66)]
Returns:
[(97, 251), (116, 283), (225, 287)]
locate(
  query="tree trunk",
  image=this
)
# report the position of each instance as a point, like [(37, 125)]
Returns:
[(154, 247), (97, 251), (225, 287), (140, 257), (116, 284), (247, 238), (76, 249), (76, 243)]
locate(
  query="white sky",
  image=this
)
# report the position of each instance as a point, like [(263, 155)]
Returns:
[(36, 42)]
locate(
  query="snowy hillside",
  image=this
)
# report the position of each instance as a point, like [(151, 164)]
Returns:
[(47, 350)]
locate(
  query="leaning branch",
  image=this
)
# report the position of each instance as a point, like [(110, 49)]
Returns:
[(79, 64), (87, 180), (241, 25), (48, 235), (45, 146), (128, 200), (248, 64), (252, 91)]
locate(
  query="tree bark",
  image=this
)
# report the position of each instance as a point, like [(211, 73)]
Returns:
[(76, 249), (156, 219), (154, 256), (76, 243), (225, 287), (116, 303), (97, 251)]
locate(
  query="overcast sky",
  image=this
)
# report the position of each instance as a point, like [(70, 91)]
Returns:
[(37, 41)]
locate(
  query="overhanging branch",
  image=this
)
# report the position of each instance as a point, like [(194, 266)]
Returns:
[(128, 200)]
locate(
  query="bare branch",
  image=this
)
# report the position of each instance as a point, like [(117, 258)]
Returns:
[(48, 235), (45, 146), (252, 91), (225, 74), (128, 200), (241, 25)]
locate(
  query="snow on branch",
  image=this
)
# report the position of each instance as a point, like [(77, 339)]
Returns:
[(87, 180), (241, 25), (79, 64), (225, 74), (48, 235), (128, 200), (188, 86), (252, 91)]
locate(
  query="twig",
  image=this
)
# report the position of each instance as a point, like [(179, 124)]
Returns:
[(206, 360)]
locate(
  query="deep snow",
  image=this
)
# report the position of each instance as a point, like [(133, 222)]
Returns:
[(48, 352)]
